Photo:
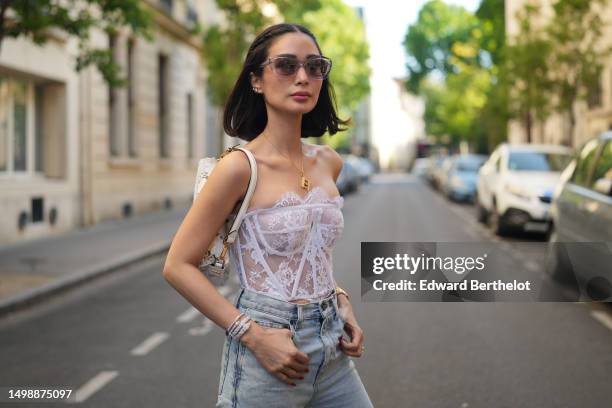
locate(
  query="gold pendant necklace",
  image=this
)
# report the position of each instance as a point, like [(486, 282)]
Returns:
[(304, 182)]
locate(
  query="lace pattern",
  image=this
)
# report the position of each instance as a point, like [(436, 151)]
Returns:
[(285, 251)]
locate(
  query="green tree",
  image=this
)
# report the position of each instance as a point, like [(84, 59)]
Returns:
[(494, 116), (36, 18), (451, 68), (576, 30), (439, 32), (452, 107), (526, 70), (490, 14)]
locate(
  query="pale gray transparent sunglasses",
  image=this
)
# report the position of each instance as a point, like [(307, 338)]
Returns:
[(316, 68)]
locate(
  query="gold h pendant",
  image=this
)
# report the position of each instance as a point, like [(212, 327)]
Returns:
[(305, 183)]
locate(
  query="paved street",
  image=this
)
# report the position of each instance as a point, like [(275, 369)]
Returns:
[(128, 339)]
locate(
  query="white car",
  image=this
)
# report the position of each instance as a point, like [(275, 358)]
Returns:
[(516, 184)]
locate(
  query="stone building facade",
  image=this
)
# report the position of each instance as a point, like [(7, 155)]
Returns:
[(74, 152)]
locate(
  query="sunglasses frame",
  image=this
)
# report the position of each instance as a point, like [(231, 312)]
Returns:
[(300, 64)]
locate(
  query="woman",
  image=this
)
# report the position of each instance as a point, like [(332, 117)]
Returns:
[(283, 344)]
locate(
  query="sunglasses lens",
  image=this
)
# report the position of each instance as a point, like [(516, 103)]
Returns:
[(315, 67), (285, 66)]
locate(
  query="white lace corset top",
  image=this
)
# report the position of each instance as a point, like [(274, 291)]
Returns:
[(285, 251)]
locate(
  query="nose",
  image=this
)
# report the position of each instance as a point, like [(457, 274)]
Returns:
[(301, 74)]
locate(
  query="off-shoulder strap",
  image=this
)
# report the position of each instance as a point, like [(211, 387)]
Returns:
[(233, 232)]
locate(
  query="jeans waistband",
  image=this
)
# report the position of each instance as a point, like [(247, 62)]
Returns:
[(292, 311)]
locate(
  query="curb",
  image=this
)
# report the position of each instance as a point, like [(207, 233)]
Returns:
[(38, 294)]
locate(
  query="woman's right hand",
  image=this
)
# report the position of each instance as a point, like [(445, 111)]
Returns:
[(276, 352)]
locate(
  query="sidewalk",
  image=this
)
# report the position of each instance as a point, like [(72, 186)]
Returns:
[(34, 270)]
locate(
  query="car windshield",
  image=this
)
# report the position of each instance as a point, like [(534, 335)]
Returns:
[(538, 161), (470, 165)]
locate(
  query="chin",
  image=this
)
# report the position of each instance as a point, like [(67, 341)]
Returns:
[(299, 109)]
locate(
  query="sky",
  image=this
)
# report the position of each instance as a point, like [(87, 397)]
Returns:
[(395, 122)]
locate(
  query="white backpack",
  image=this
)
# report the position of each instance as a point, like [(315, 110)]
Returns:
[(214, 264)]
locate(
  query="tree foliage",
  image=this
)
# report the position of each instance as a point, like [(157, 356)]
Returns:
[(35, 19), (451, 63), (441, 33), (527, 70), (576, 31)]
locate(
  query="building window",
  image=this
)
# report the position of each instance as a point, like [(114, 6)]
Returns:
[(162, 102), (190, 127), (131, 111), (32, 127), (39, 131), (17, 126), (167, 5), (113, 106)]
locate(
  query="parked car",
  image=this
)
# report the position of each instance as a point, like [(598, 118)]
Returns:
[(435, 162), (421, 167), (515, 186), (363, 166), (348, 179), (581, 211), (459, 181), (439, 171)]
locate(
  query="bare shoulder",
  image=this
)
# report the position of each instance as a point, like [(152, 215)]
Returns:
[(235, 170), (332, 158)]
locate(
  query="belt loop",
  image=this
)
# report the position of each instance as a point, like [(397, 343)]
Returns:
[(300, 313)]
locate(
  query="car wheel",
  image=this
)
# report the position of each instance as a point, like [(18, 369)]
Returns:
[(558, 265), (496, 222), (449, 194), (481, 212)]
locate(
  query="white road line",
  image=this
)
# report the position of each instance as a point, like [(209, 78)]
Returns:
[(603, 317), (149, 344), (206, 327), (92, 386), (188, 315)]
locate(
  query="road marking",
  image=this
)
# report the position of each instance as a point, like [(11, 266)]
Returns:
[(207, 326), (149, 344), (188, 315), (603, 317), (92, 386)]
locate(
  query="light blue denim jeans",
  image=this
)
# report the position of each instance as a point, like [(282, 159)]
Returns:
[(332, 380)]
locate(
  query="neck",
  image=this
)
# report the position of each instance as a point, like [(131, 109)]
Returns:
[(284, 132)]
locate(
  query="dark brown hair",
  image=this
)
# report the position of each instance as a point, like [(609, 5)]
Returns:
[(245, 113)]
